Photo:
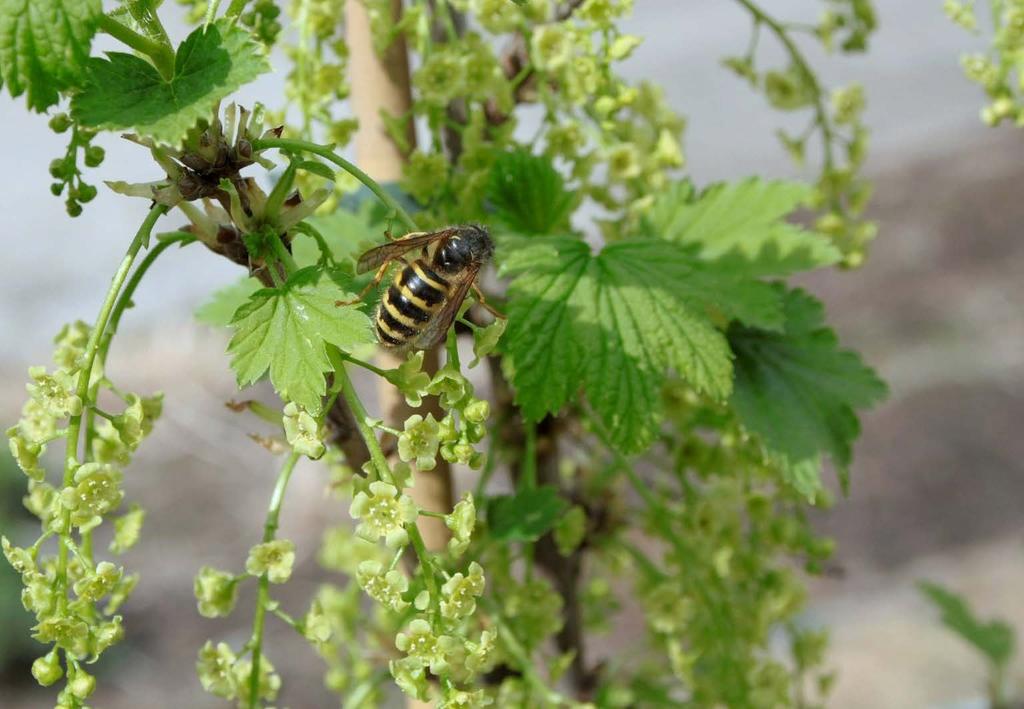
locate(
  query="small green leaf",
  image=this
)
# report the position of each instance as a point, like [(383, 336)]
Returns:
[(44, 46), (317, 168), (126, 92), (220, 308), (525, 516), (287, 330), (611, 325), (798, 390), (994, 639), (529, 195), (742, 224)]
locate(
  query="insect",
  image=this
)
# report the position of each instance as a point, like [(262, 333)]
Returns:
[(420, 304)]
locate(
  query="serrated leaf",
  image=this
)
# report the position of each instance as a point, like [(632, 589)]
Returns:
[(797, 389), (287, 331), (528, 194), (994, 639), (525, 516), (611, 325), (742, 224), (220, 308), (126, 92), (44, 46)]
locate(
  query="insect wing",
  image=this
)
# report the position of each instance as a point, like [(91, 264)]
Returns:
[(437, 328), (392, 250)]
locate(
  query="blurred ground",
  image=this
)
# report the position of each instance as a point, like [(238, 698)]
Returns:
[(939, 473)]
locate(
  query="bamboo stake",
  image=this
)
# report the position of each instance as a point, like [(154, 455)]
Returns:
[(382, 84)]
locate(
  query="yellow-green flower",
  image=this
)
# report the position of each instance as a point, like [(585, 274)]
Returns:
[(275, 559), (383, 512)]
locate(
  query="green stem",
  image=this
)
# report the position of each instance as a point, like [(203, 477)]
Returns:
[(380, 463), (798, 60), (235, 8), (283, 256), (144, 12), (160, 54), (124, 301), (326, 153), (263, 594), (82, 389)]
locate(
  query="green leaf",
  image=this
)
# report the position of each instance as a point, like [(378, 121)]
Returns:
[(528, 194), (220, 308), (126, 92), (994, 639), (287, 330), (44, 46), (798, 390), (611, 325), (742, 224), (525, 516)]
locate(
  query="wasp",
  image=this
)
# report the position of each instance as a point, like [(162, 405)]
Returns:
[(423, 299)]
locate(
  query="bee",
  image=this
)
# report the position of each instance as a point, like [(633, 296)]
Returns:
[(423, 299)]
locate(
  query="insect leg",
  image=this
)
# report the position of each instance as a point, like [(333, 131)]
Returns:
[(479, 295), (377, 278)]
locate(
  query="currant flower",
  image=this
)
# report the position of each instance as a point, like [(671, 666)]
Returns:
[(387, 588), (410, 379), (623, 162), (485, 339), (216, 592), (477, 411), (410, 677), (305, 435), (450, 386), (419, 441), (460, 699), (96, 492), (67, 632), (268, 684), (55, 392), (129, 424), (497, 16), (47, 669), (275, 559), (461, 521), (480, 656), (80, 683), (551, 46), (214, 669), (94, 586), (70, 342), (460, 593), (420, 644), (441, 78), (127, 529), (37, 424), (316, 625), (26, 453), (383, 512)]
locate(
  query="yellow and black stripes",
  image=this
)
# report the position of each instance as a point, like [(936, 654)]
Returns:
[(416, 294)]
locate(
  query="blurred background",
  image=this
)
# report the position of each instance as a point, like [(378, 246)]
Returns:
[(938, 478)]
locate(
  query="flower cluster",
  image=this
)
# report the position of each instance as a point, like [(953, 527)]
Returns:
[(74, 596)]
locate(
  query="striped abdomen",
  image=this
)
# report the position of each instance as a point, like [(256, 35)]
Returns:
[(412, 299)]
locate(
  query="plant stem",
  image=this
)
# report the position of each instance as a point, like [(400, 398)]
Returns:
[(263, 594), (124, 301), (326, 153), (82, 389), (160, 54), (380, 462), (798, 60)]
